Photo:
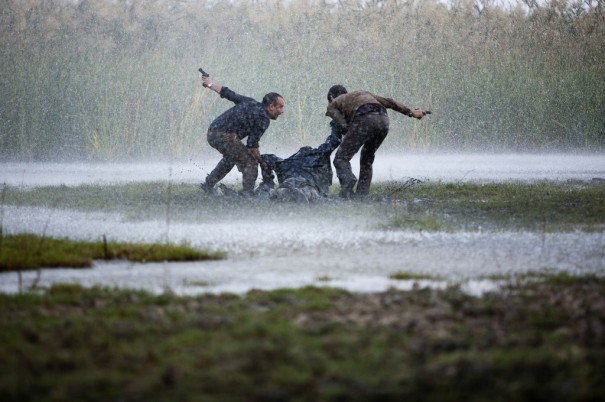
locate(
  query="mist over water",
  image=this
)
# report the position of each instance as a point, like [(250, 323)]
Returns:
[(389, 166)]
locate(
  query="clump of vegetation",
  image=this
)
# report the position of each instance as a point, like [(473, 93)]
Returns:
[(407, 276), (30, 251), (543, 206), (542, 341)]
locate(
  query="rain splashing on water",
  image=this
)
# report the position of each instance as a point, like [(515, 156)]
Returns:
[(108, 92), (298, 246)]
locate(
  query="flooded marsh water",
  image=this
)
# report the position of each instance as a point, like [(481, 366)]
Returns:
[(321, 245)]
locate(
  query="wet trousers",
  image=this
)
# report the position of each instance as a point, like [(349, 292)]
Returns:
[(235, 153), (366, 131)]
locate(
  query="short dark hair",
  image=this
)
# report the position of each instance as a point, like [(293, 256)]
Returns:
[(270, 98), (335, 92)]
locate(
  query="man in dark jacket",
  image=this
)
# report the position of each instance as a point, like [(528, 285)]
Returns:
[(247, 119), (364, 115)]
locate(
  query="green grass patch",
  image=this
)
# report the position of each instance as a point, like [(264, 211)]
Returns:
[(29, 251), (538, 342), (415, 222)]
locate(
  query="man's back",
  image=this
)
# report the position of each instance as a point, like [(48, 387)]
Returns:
[(247, 118)]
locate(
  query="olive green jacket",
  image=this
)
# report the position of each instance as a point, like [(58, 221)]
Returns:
[(343, 108)]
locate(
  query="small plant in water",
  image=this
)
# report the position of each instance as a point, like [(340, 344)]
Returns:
[(324, 278), (409, 276)]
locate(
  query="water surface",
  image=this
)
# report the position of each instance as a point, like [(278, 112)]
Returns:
[(291, 250)]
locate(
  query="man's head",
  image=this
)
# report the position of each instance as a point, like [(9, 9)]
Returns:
[(274, 104), (335, 92)]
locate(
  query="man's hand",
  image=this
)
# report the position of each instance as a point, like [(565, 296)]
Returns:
[(256, 154), (418, 113), (206, 81)]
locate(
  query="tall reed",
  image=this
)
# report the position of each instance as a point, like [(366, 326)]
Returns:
[(118, 80)]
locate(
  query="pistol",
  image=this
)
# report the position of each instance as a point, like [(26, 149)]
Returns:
[(204, 74)]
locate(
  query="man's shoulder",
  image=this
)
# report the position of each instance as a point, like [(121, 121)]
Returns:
[(353, 96), (354, 99)]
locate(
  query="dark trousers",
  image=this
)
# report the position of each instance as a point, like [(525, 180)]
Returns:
[(368, 131), (235, 153)]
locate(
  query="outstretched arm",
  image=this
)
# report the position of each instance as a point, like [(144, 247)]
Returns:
[(224, 92), (334, 139), (401, 108)]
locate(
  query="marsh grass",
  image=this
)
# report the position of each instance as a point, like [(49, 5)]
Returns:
[(28, 251), (542, 341), (118, 79), (541, 206)]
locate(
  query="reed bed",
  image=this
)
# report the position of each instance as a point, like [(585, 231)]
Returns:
[(118, 80)]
